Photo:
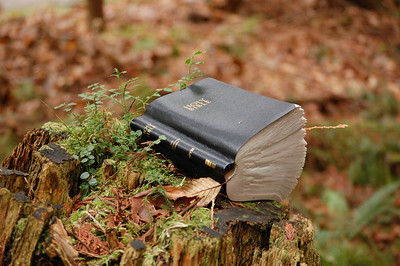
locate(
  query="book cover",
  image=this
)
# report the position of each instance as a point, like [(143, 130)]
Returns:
[(214, 129)]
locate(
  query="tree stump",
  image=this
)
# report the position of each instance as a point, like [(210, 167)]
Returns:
[(40, 177), (20, 158), (41, 173), (13, 180), (256, 234), (60, 245), (10, 208), (52, 175), (23, 249)]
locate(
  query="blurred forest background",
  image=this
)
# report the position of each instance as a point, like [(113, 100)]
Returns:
[(339, 59)]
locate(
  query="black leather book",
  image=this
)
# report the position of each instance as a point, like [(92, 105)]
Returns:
[(214, 129)]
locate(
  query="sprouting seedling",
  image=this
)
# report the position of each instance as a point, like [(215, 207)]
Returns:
[(193, 71)]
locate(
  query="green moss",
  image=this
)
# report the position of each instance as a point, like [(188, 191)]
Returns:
[(201, 217), (54, 127), (19, 228)]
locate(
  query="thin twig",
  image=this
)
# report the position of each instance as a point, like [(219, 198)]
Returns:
[(191, 205), (212, 214), (143, 237), (130, 107), (30, 188), (98, 225), (327, 127)]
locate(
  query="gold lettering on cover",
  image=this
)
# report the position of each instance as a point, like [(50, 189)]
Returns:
[(147, 129), (197, 104), (190, 152), (174, 143), (209, 163)]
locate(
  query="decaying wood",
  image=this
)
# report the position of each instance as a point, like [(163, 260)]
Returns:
[(20, 158), (44, 172), (10, 209), (255, 235), (133, 254), (108, 168), (13, 180), (24, 248), (60, 245), (52, 175), (130, 178), (291, 243)]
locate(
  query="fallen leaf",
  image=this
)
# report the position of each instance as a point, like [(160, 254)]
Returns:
[(289, 231), (206, 189), (88, 242), (147, 212)]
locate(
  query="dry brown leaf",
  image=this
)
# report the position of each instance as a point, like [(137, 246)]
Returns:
[(88, 242), (147, 212), (206, 189)]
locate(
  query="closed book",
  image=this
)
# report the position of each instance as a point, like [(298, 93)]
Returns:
[(253, 143)]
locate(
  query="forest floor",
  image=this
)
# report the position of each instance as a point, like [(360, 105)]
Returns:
[(34, 4), (339, 61)]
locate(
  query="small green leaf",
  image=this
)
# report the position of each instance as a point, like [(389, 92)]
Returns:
[(84, 160), (92, 171), (93, 182), (188, 61), (84, 175), (90, 147), (377, 204), (59, 106)]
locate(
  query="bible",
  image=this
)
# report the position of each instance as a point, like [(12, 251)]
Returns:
[(254, 144)]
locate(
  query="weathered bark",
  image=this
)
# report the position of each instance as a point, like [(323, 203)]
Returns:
[(10, 209), (20, 158), (259, 234), (49, 177), (108, 168), (13, 180), (291, 243), (60, 245), (133, 255), (52, 175), (23, 249)]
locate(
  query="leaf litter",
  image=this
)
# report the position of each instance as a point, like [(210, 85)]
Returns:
[(140, 212)]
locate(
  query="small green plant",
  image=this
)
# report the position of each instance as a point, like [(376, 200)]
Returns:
[(192, 73), (335, 246), (100, 134)]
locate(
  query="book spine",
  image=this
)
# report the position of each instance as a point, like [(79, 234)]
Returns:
[(185, 148)]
